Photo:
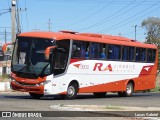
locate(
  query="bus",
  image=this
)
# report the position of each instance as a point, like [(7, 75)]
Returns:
[(67, 63)]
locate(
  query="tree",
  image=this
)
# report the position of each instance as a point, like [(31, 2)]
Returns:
[(8, 48), (152, 26)]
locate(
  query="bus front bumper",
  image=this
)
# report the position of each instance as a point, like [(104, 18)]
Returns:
[(39, 89)]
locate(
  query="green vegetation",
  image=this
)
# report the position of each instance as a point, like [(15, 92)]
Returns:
[(157, 88), (152, 26)]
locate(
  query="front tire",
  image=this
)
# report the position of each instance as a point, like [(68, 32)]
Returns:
[(72, 91), (35, 96)]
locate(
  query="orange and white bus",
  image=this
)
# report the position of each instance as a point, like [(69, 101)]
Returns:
[(68, 63)]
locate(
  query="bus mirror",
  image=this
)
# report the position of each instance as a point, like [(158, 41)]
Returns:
[(4, 47), (47, 51)]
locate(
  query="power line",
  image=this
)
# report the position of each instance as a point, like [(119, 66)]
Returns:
[(2, 13), (101, 1), (128, 33), (109, 17), (89, 16), (5, 33), (114, 26), (35, 29)]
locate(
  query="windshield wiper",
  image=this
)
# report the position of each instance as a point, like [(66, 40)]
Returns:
[(28, 69), (43, 69), (22, 69), (33, 68)]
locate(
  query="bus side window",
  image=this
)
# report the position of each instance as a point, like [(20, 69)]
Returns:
[(138, 54), (125, 52), (143, 54), (102, 51), (114, 52), (110, 51), (76, 49), (117, 52), (87, 50), (151, 54), (83, 50), (79, 49), (94, 50), (131, 53)]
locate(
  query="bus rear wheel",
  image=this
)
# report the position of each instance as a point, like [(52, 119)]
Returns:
[(128, 92), (72, 91), (35, 96), (100, 94)]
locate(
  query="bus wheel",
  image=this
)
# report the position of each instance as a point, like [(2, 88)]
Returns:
[(128, 92), (71, 92), (100, 94), (35, 96)]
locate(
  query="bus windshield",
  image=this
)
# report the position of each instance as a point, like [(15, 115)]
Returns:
[(29, 58)]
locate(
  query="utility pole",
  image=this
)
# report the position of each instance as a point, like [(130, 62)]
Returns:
[(13, 17), (49, 25), (18, 19), (18, 23), (5, 36), (135, 31)]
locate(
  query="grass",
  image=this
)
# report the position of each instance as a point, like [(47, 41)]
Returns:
[(157, 88)]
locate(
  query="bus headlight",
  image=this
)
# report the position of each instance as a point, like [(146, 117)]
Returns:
[(46, 82)]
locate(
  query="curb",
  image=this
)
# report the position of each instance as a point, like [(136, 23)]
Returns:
[(5, 86)]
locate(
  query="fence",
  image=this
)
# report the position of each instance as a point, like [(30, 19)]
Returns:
[(5, 70)]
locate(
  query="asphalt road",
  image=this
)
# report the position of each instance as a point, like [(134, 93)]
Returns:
[(23, 102)]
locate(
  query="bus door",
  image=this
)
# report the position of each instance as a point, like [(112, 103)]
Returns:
[(60, 57)]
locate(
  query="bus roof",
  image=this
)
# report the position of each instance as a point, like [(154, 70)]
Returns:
[(90, 37)]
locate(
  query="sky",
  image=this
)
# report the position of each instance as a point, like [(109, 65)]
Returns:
[(113, 17)]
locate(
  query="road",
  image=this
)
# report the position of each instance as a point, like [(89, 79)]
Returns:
[(23, 102)]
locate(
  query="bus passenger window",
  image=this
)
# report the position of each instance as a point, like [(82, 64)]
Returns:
[(117, 52), (114, 52), (102, 50), (94, 50), (137, 54), (110, 51), (125, 52), (76, 49), (83, 50), (131, 53), (151, 54), (87, 50), (143, 54)]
